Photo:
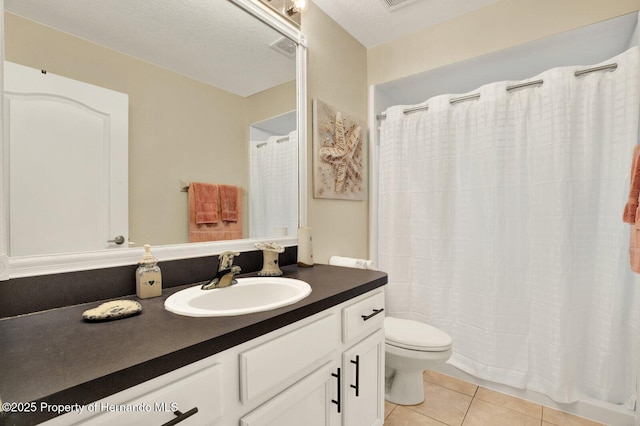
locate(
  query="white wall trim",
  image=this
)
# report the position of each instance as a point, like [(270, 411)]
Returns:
[(301, 88), (374, 143), (27, 266), (4, 161)]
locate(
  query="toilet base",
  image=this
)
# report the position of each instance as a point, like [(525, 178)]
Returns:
[(405, 388), (406, 362)]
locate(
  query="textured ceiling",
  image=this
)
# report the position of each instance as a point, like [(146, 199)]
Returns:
[(211, 41), (215, 42), (372, 23)]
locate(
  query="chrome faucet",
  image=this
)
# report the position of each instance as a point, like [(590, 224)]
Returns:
[(226, 271)]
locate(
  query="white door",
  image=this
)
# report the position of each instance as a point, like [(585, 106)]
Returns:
[(68, 163)]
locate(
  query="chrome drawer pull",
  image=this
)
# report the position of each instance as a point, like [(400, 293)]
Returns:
[(375, 312), (181, 416)]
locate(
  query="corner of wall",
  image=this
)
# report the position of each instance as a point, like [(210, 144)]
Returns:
[(337, 74)]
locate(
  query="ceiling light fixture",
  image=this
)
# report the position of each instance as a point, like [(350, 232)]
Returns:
[(296, 7)]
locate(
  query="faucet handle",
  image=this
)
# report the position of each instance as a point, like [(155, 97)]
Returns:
[(226, 259)]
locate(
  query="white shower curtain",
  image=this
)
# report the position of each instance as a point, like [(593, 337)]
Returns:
[(273, 185), (500, 221)]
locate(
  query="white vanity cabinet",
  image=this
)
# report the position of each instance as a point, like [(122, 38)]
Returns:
[(324, 370), (349, 389), (363, 361)]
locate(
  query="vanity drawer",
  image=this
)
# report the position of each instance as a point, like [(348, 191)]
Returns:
[(363, 317), (156, 401), (280, 362)]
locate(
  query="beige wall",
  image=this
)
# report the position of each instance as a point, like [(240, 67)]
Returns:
[(498, 26), (272, 102), (179, 128), (336, 75)]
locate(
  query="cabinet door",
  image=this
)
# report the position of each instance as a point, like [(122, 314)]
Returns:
[(306, 403), (363, 387)]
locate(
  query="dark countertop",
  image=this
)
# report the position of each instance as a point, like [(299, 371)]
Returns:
[(56, 357)]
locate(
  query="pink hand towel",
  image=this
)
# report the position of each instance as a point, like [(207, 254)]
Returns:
[(631, 214), (206, 202), (630, 210), (229, 203)]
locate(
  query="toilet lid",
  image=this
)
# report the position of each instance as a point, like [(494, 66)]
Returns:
[(415, 335)]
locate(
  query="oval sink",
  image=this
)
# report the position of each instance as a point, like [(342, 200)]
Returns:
[(247, 296)]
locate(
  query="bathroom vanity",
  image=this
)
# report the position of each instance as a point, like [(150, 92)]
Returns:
[(318, 361)]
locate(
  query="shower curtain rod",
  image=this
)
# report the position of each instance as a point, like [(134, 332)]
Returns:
[(474, 96), (282, 139)]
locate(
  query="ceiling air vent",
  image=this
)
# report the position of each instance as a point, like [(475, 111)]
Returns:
[(285, 46), (396, 4)]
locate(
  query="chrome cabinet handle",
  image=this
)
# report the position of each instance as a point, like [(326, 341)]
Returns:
[(337, 376), (375, 312), (181, 416), (357, 385), (118, 240)]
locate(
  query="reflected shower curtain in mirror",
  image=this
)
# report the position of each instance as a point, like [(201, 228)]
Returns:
[(273, 186), (500, 222)]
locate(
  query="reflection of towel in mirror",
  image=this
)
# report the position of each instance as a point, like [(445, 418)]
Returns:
[(229, 203), (221, 230), (631, 215), (206, 202)]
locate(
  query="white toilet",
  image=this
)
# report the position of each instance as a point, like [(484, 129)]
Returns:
[(410, 348)]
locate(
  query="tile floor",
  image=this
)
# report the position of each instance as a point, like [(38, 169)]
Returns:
[(453, 402)]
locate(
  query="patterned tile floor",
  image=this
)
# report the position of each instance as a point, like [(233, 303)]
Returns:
[(453, 402)]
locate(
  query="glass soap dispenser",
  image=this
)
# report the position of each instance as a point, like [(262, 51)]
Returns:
[(148, 276)]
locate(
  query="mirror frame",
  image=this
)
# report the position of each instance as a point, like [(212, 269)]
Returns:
[(24, 266)]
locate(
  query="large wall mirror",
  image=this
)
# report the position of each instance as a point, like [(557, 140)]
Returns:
[(183, 86)]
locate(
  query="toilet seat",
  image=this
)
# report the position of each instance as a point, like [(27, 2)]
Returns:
[(415, 336)]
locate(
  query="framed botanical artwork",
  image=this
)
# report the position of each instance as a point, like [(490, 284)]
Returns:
[(339, 154)]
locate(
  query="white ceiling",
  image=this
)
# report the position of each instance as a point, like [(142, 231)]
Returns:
[(372, 23), (211, 41)]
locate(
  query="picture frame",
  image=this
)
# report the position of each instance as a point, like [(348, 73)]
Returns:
[(339, 154)]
